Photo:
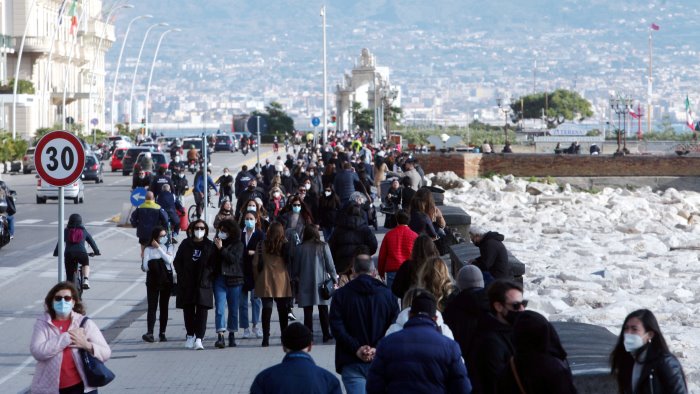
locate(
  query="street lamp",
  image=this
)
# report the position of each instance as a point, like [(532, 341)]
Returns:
[(136, 69), (119, 62), (150, 75), (94, 60), (325, 81), (621, 106), (504, 105)]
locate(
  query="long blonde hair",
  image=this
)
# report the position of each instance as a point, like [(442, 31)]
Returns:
[(434, 277)]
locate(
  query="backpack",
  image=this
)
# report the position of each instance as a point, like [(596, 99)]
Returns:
[(75, 235)]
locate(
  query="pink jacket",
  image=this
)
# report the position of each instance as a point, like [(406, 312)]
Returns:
[(47, 348)]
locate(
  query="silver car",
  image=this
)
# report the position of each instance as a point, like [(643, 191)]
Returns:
[(75, 191), (28, 161)]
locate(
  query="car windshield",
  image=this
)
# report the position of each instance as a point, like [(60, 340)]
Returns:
[(222, 138), (120, 153), (90, 160), (197, 144), (30, 151)]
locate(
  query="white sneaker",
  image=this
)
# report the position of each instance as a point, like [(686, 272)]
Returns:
[(246, 333), (258, 332), (198, 344), (189, 343)]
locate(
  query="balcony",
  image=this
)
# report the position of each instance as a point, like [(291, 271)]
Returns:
[(6, 44), (33, 44)]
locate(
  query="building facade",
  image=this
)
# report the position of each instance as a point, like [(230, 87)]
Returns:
[(366, 84), (60, 59)]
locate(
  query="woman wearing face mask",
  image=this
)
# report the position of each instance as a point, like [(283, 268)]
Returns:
[(56, 341), (275, 203), (254, 207), (328, 206), (250, 238), (294, 217), (228, 281), (194, 266), (641, 361), (225, 212), (158, 265)]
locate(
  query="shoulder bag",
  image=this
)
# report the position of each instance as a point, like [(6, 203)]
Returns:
[(516, 375), (96, 373), (327, 286)]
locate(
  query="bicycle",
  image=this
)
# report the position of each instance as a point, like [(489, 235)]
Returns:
[(194, 212), (78, 275)]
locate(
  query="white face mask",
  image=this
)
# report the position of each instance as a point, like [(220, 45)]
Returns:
[(311, 173), (307, 186), (199, 234), (223, 236), (276, 194), (633, 342), (328, 194), (251, 209)]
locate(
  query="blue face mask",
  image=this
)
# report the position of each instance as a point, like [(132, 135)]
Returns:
[(163, 240), (249, 223), (296, 209), (62, 308)]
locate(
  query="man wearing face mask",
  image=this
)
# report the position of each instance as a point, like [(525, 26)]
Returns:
[(195, 267), (310, 198), (251, 192), (242, 180), (225, 183), (495, 337), (140, 179), (289, 183), (315, 177), (268, 172)]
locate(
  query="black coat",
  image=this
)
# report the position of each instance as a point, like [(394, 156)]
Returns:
[(248, 280), (350, 233), (328, 210), (494, 256), (194, 277), (661, 373), (361, 312), (229, 262), (495, 347)]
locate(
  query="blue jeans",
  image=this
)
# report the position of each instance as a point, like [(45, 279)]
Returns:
[(11, 223), (355, 377), (243, 308), (390, 276), (226, 296)]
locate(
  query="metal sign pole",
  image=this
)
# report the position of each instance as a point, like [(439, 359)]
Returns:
[(258, 150), (61, 241), (205, 176)]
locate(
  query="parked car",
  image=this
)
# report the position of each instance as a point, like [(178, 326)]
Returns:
[(75, 191), (224, 142), (159, 160), (117, 157), (130, 158), (93, 169), (28, 161), (120, 141)]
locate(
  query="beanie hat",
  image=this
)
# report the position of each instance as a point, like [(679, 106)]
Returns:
[(470, 276), (424, 303), (296, 337)]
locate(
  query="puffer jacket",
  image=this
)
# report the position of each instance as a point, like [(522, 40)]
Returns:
[(146, 216), (494, 256), (229, 261), (47, 347), (194, 277), (349, 233)]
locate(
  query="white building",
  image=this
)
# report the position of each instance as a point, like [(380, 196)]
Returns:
[(366, 84), (58, 59)]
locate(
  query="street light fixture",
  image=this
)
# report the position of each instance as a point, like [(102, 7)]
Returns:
[(119, 62), (504, 105), (621, 106), (150, 75), (136, 69), (94, 60)]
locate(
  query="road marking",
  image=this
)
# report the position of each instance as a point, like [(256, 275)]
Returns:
[(96, 223), (29, 221)]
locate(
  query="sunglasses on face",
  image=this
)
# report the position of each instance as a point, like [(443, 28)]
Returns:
[(516, 305), (65, 298)]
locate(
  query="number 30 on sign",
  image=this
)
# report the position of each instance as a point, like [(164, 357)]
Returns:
[(59, 158)]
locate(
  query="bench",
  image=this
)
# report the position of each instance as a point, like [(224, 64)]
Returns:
[(462, 253)]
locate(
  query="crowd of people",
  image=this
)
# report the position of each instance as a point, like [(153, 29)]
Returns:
[(300, 232)]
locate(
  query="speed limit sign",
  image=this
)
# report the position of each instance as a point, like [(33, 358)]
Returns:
[(59, 158)]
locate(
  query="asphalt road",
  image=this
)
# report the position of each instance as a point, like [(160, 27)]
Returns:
[(28, 270)]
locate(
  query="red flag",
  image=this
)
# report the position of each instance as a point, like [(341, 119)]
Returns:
[(655, 27), (634, 114)]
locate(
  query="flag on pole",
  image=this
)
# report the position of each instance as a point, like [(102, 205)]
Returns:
[(655, 27), (689, 115), (61, 10), (73, 16), (323, 10), (634, 114)]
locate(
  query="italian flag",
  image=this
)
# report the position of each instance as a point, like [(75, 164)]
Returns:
[(689, 115), (73, 16)]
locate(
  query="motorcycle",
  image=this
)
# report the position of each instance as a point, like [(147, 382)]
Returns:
[(244, 150), (192, 166), (4, 222)]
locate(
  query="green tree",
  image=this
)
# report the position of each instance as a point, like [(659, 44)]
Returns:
[(365, 120), (277, 119), (558, 106)]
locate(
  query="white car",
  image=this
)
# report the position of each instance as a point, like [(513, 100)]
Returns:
[(120, 141), (75, 191)]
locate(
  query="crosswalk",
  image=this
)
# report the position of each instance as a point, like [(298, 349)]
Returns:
[(43, 222)]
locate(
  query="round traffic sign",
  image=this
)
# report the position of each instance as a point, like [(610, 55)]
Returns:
[(315, 121), (59, 158)]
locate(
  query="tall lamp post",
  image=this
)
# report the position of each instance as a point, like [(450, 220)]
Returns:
[(119, 62), (621, 105), (150, 75), (136, 69), (97, 52), (504, 105), (325, 80)]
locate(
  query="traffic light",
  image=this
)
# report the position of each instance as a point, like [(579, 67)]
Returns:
[(333, 119)]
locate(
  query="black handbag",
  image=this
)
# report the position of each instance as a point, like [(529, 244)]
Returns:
[(327, 286), (96, 373)]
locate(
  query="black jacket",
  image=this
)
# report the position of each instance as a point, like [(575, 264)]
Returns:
[(495, 347), (258, 235), (242, 179), (289, 184), (194, 266), (361, 312), (662, 373), (494, 256), (328, 210), (229, 262), (350, 233)]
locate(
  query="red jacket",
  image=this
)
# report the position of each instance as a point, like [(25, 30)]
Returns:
[(396, 248)]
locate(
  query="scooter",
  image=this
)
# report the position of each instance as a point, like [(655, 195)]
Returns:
[(192, 166)]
